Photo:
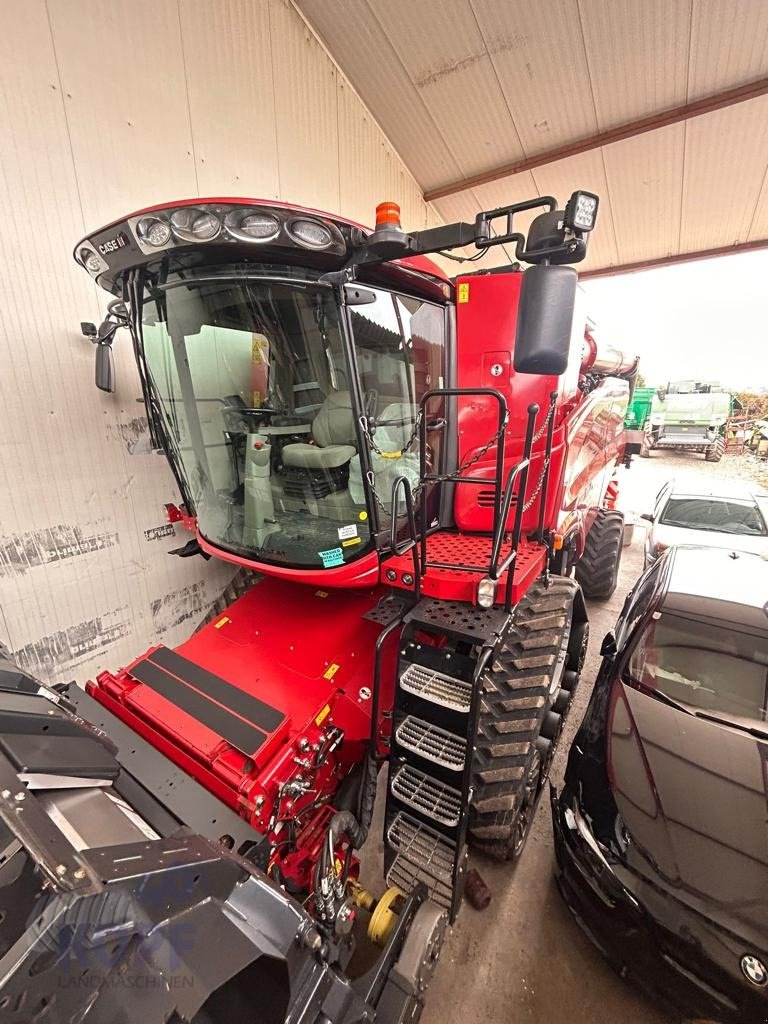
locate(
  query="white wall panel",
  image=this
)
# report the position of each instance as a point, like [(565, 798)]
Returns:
[(105, 108), (228, 61), (125, 96), (307, 120)]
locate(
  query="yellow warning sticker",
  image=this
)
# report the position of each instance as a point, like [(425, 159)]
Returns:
[(321, 593), (351, 542), (331, 671), (221, 622), (323, 715), (464, 291), (363, 516)]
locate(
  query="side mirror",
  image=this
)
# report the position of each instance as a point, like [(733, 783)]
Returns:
[(88, 330), (545, 320), (608, 648), (647, 515), (105, 367)]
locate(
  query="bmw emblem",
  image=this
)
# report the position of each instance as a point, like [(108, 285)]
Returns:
[(754, 970)]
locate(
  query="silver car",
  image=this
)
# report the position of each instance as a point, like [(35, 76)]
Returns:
[(720, 513)]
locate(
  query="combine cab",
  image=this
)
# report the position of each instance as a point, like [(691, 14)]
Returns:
[(414, 466)]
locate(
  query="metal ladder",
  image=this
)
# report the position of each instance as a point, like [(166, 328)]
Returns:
[(436, 706)]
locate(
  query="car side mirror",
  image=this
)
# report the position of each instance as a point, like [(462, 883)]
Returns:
[(545, 320), (608, 648), (647, 515), (105, 367)]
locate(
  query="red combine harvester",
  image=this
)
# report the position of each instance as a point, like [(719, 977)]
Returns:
[(414, 466)]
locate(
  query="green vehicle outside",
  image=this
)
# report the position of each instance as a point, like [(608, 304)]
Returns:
[(688, 416)]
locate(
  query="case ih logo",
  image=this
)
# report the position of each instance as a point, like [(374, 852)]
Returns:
[(112, 244)]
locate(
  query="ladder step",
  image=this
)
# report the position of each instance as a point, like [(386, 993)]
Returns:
[(436, 687), (432, 743), (431, 797), (422, 856)]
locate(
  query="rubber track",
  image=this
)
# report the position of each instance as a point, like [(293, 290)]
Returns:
[(515, 701), (596, 569), (241, 582)]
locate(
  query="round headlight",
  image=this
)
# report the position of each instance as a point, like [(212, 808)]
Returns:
[(91, 261), (153, 231), (193, 225), (206, 226), (310, 233), (252, 227)]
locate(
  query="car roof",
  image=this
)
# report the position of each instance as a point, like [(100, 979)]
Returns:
[(729, 587), (707, 487)]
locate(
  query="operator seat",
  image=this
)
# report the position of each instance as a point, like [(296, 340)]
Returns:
[(333, 429)]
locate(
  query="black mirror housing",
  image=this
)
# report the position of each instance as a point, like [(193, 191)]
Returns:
[(105, 368), (647, 515), (88, 329), (608, 648), (545, 320)]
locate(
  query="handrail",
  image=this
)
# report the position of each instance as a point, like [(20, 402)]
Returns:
[(506, 502), (423, 476), (411, 541)]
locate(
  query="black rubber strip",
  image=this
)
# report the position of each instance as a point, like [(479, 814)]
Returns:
[(234, 730), (250, 708)]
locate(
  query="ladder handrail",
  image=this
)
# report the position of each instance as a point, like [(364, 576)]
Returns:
[(402, 483), (503, 419)]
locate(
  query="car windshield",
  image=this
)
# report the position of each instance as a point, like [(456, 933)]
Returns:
[(721, 515), (251, 382), (704, 666)]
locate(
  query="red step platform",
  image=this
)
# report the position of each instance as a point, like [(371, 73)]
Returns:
[(466, 549)]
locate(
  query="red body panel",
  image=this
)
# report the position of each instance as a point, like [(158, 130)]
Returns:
[(307, 653), (588, 429), (364, 572)]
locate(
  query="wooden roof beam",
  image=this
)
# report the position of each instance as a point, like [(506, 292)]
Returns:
[(683, 257), (674, 115)]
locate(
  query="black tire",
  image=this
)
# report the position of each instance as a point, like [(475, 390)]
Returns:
[(597, 571), (240, 584), (715, 451), (517, 702)]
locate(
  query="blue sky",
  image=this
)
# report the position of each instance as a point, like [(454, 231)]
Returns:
[(706, 320)]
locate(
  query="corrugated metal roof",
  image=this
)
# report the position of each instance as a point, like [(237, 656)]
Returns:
[(463, 87)]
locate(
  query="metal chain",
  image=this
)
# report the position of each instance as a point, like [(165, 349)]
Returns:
[(539, 484), (468, 464), (390, 455), (543, 426)]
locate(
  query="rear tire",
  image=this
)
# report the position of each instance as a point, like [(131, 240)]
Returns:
[(518, 728), (597, 571), (715, 451)]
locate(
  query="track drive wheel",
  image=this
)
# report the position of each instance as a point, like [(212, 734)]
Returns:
[(715, 451), (598, 568), (518, 726)]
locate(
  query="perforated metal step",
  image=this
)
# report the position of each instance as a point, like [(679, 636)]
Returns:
[(423, 856), (431, 742), (437, 687), (431, 797)]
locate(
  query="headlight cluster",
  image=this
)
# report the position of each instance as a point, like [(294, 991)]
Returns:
[(243, 224)]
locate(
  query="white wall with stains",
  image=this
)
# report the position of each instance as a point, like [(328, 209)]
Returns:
[(106, 108)]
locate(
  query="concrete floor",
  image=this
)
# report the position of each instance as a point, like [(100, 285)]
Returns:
[(524, 958)]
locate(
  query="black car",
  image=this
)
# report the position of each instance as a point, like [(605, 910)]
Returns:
[(661, 829)]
